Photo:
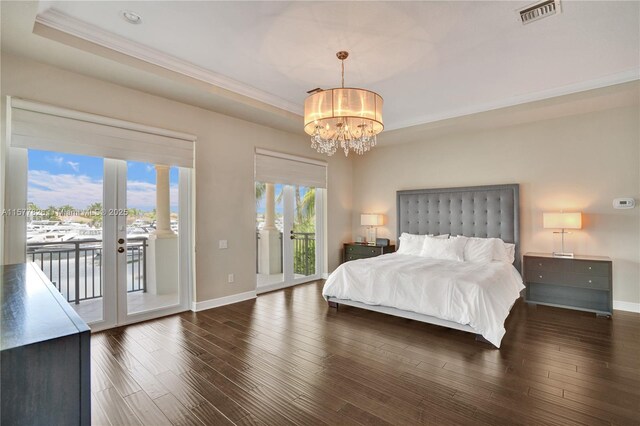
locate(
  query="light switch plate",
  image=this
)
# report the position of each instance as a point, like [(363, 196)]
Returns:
[(222, 244), (231, 278)]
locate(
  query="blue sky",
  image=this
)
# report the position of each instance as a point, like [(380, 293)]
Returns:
[(261, 202), (278, 188), (58, 179)]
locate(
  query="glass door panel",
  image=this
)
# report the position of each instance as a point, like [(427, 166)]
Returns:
[(269, 233), (303, 232), (64, 227), (151, 266)]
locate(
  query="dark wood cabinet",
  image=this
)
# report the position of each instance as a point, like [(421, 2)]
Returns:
[(45, 353), (582, 282), (353, 251)]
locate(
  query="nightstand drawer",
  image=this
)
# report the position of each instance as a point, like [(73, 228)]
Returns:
[(363, 250), (544, 277), (587, 281), (355, 257), (540, 264), (353, 251), (601, 269)]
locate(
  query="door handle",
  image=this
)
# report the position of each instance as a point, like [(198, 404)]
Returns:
[(120, 240), (293, 237), (120, 249)]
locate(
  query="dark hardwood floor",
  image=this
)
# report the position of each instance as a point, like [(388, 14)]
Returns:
[(286, 358)]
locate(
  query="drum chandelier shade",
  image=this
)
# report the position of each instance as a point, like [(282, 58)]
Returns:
[(345, 117)]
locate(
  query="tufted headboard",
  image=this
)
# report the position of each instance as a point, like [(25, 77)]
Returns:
[(475, 211)]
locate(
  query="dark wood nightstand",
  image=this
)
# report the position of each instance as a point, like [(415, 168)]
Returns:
[(582, 282), (353, 251)]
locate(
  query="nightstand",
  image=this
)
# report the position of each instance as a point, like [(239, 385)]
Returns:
[(583, 282), (353, 251)]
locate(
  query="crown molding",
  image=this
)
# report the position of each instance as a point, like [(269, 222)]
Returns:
[(59, 21), (609, 80), (64, 23)]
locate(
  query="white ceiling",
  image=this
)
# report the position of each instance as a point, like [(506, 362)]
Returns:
[(429, 60)]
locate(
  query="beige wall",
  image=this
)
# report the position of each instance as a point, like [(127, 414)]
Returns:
[(576, 163), (225, 207)]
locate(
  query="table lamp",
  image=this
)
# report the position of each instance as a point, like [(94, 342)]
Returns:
[(371, 220), (562, 221)]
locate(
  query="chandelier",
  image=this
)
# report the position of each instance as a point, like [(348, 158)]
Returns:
[(344, 118)]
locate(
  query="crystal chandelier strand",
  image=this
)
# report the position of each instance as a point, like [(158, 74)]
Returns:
[(327, 142)]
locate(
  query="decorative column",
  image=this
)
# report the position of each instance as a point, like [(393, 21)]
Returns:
[(163, 258), (163, 210), (270, 256), (270, 207)]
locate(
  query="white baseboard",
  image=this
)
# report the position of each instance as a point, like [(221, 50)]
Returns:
[(626, 306), (221, 301)]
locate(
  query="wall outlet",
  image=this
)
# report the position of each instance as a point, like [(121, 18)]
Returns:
[(231, 278), (222, 244)]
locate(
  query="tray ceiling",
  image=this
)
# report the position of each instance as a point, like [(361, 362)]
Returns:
[(429, 60)]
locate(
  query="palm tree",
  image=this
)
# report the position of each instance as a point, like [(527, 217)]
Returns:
[(307, 206), (51, 213), (134, 212), (261, 188), (67, 209), (94, 211), (306, 212), (298, 204)]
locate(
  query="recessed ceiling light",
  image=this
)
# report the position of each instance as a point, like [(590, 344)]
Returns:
[(131, 17)]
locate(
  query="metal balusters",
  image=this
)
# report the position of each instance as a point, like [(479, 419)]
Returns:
[(304, 252), (86, 250), (66, 284), (77, 272), (100, 271), (144, 263), (138, 263), (93, 274), (85, 274)]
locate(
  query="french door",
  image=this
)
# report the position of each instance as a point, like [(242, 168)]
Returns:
[(111, 235), (108, 220), (289, 229), (146, 255)]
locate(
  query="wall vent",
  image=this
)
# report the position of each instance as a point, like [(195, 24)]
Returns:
[(539, 10)]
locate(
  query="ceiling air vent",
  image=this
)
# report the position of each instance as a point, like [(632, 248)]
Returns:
[(539, 10)]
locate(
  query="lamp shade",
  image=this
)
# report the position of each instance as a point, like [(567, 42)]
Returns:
[(346, 105), (371, 219), (562, 220)]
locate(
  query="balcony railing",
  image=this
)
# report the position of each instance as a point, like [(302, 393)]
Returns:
[(304, 252), (75, 267)]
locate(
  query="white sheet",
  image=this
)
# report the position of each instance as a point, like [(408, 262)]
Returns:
[(479, 295)]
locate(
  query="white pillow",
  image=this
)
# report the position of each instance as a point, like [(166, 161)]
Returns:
[(504, 252), (412, 243), (479, 250), (484, 250), (445, 249)]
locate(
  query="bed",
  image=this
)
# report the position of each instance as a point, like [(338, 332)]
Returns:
[(460, 295)]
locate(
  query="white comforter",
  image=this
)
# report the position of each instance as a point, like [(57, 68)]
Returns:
[(478, 295)]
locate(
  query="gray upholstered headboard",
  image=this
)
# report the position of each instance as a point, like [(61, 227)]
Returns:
[(475, 211)]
